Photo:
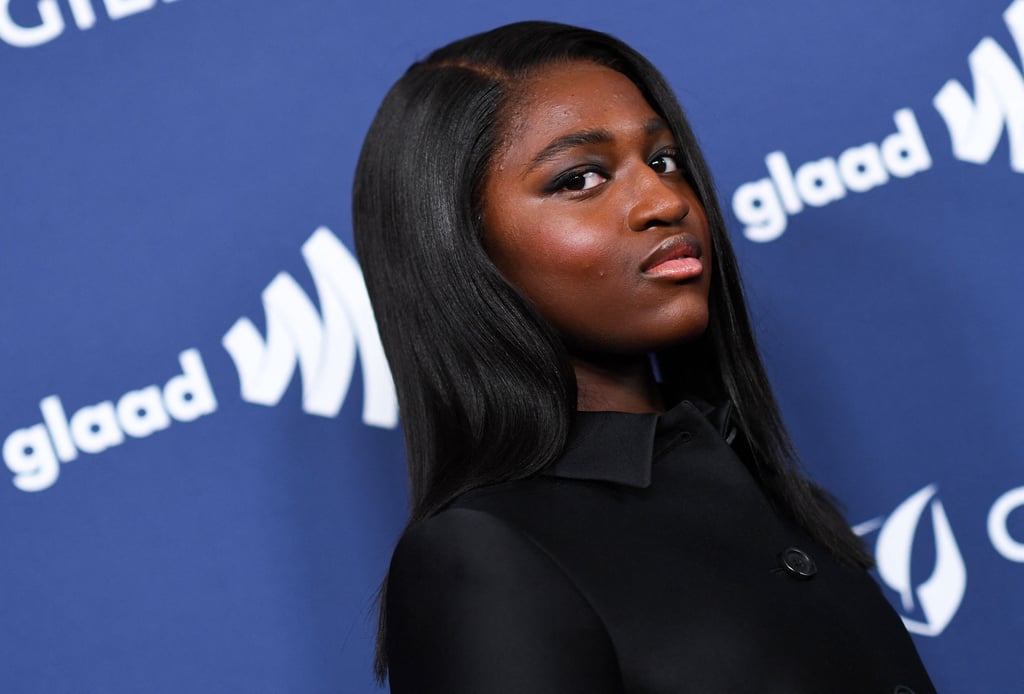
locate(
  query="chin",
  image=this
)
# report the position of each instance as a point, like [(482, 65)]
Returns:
[(690, 329)]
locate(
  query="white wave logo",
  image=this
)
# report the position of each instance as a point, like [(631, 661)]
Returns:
[(976, 125), (940, 595), (323, 345)]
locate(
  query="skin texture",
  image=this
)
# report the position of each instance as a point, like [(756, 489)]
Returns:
[(572, 226)]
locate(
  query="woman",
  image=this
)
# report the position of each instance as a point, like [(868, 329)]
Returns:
[(604, 498)]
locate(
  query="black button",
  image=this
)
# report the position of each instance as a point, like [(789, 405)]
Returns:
[(902, 689), (798, 563)]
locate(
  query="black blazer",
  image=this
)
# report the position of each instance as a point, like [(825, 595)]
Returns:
[(647, 559)]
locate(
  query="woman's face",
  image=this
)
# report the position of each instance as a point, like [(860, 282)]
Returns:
[(586, 211)]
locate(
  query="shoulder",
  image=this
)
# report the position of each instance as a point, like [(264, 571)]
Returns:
[(483, 540), (465, 549), (477, 534), (473, 604)]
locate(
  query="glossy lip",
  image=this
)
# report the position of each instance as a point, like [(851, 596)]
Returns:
[(672, 248)]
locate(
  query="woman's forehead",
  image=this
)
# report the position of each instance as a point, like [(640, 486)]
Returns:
[(576, 97), (563, 91)]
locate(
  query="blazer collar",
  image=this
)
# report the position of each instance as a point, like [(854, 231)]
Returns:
[(620, 447)]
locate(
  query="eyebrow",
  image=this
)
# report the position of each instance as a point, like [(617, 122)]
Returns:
[(585, 137)]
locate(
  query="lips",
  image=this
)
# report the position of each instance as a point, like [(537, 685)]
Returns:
[(677, 257)]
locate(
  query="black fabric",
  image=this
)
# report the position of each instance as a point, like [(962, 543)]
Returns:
[(647, 559)]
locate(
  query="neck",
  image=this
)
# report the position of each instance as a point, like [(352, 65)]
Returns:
[(616, 384)]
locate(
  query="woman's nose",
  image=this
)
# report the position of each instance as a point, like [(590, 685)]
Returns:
[(660, 200)]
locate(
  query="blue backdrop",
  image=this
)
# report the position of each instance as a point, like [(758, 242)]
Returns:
[(203, 476)]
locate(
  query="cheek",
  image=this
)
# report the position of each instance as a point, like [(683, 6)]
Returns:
[(549, 249)]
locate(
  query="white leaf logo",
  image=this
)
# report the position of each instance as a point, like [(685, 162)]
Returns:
[(940, 595), (323, 344)]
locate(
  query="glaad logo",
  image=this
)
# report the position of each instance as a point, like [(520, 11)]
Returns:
[(975, 128), (34, 453), (765, 204), (51, 22), (323, 344), (939, 596)]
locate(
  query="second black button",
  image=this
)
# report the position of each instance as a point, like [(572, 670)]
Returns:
[(798, 563)]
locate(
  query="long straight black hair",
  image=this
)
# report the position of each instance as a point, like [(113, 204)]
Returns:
[(486, 390)]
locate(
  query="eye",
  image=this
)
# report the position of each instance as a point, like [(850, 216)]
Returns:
[(580, 180), (666, 162)]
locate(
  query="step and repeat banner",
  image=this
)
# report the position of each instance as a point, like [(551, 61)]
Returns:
[(203, 473)]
